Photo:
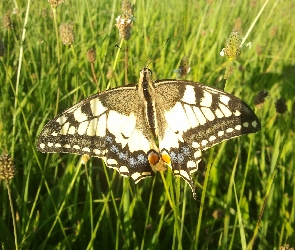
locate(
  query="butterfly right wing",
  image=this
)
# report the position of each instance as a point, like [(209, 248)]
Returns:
[(110, 125), (194, 117)]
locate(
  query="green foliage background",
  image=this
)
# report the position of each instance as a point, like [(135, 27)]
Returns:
[(249, 182)]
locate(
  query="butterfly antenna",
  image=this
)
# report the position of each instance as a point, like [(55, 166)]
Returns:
[(160, 50), (133, 60)]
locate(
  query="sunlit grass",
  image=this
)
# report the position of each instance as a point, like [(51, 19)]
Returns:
[(60, 203)]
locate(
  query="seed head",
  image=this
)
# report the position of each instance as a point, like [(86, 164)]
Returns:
[(124, 24), (127, 7), (184, 68), (7, 23), (67, 34), (233, 43), (91, 55), (218, 214), (7, 169), (286, 247), (55, 3), (281, 106), (84, 159), (260, 98), (15, 11)]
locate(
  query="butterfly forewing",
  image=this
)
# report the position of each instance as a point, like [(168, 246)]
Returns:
[(200, 115)]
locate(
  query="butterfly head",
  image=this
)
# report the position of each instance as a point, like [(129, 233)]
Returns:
[(145, 73), (145, 79)]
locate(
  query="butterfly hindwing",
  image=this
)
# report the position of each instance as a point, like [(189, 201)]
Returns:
[(105, 125)]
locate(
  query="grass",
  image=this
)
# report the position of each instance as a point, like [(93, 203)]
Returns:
[(247, 183)]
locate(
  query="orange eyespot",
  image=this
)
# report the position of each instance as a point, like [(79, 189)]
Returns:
[(153, 158), (166, 159)]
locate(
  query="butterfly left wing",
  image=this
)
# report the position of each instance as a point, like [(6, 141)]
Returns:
[(109, 125), (193, 117)]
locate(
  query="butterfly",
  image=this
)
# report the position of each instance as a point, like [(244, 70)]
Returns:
[(146, 127)]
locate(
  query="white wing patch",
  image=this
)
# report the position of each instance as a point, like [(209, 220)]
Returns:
[(208, 113), (218, 113), (83, 127), (128, 124), (96, 107), (189, 95), (72, 130), (224, 99), (170, 140), (193, 121), (101, 126), (121, 126), (91, 131), (225, 110), (206, 101), (177, 119), (201, 118), (114, 119), (65, 128), (79, 115), (62, 119), (137, 141)]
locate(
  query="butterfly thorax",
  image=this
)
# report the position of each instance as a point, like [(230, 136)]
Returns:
[(146, 89)]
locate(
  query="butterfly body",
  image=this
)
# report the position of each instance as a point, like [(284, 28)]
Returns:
[(122, 125)]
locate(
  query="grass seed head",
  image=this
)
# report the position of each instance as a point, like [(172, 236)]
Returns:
[(66, 34), (84, 159), (233, 45), (218, 214), (184, 68), (286, 247), (127, 7), (281, 106), (55, 3), (124, 24), (7, 169), (260, 98), (7, 23), (91, 55)]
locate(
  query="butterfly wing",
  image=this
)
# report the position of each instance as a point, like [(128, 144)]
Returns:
[(108, 125), (194, 117)]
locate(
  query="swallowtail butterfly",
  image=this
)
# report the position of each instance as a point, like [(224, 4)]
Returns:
[(138, 129)]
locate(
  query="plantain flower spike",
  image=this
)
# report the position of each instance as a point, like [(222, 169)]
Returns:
[(55, 3), (7, 169), (124, 22), (67, 34), (233, 45), (184, 68)]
